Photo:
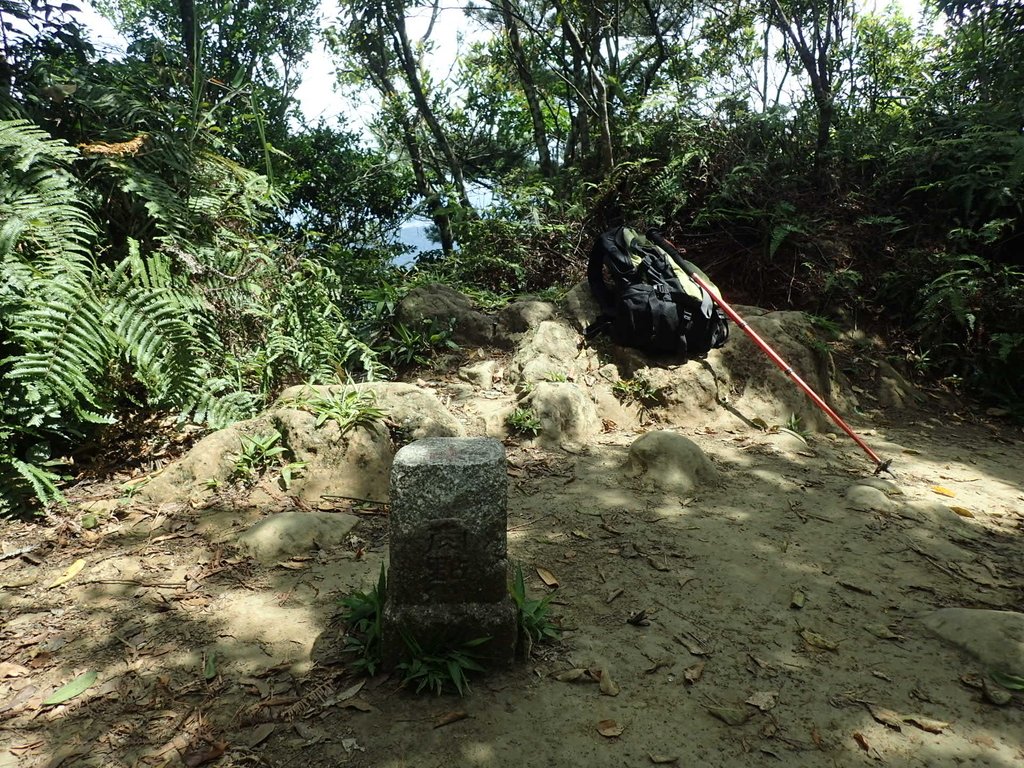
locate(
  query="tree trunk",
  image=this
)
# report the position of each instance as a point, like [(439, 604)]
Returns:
[(407, 60), (187, 15), (540, 134)]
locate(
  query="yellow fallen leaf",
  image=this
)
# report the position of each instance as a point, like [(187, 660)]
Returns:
[(69, 574), (963, 511), (608, 686), (943, 491), (925, 723), (547, 577), (818, 641)]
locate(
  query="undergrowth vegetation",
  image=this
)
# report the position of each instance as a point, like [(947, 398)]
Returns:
[(176, 239), (430, 664)]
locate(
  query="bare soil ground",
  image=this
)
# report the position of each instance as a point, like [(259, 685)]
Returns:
[(770, 619)]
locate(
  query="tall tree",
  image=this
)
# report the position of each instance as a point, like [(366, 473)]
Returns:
[(816, 29)]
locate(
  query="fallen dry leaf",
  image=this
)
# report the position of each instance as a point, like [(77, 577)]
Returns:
[(731, 715), (663, 759), (67, 753), (862, 742), (570, 675), (657, 664), (69, 574), (348, 693), (692, 674), (362, 705), (692, 644), (205, 755), (764, 700), (943, 491), (882, 632), (549, 579), (8, 669), (260, 733), (610, 729), (816, 738), (450, 717), (816, 640), (962, 511), (608, 686), (895, 720), (886, 717), (925, 723), (658, 566)]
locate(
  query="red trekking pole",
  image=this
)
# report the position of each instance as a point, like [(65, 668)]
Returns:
[(657, 239)]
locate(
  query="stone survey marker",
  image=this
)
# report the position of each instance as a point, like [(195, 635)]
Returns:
[(448, 576)]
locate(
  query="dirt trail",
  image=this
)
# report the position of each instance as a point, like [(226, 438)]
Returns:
[(781, 621)]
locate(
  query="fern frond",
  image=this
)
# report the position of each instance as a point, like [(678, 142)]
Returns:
[(65, 349), (40, 202)]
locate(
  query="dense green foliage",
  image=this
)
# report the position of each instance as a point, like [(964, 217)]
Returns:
[(174, 238)]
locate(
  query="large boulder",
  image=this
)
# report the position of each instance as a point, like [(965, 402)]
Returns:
[(414, 411), (290, 534), (551, 350), (358, 462), (580, 306), (209, 463), (519, 317), (568, 418), (755, 386), (994, 638), (354, 462), (668, 461), (443, 306)]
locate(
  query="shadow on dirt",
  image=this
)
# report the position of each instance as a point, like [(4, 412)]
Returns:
[(781, 625)]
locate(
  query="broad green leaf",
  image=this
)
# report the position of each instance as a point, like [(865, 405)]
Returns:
[(65, 693), (1010, 682)]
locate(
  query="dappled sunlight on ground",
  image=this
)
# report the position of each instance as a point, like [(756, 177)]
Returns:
[(763, 618)]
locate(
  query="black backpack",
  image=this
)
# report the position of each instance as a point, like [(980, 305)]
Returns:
[(653, 304)]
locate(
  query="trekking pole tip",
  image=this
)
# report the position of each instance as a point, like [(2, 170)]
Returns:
[(883, 466)]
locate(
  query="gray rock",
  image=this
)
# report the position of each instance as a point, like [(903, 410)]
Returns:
[(211, 459), (580, 306), (995, 638), (550, 348), (287, 534), (479, 374), (519, 317), (444, 306), (869, 499), (669, 461), (417, 412), (355, 463), (567, 416)]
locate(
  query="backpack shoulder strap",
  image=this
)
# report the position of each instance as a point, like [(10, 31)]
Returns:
[(610, 251)]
